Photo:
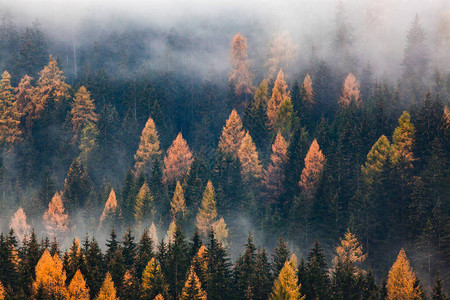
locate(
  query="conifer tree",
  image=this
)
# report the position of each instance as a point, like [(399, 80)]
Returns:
[(107, 291), (145, 252), (75, 261), (177, 161), (350, 92), (314, 163), (10, 131), (192, 289), (55, 219), (244, 271), (82, 111), (232, 135), (317, 283), (401, 279), (50, 277), (200, 264), (280, 256), (263, 280), (153, 282), (110, 211), (251, 168), (128, 248), (218, 276), (280, 94), (284, 120), (77, 187), (240, 74), (282, 53), (19, 224), (307, 92), (403, 142), (286, 285), (207, 213), (130, 286), (94, 268), (376, 158), (2, 292), (221, 230), (153, 235), (149, 148), (143, 207), (77, 289), (26, 103), (178, 205), (274, 176)]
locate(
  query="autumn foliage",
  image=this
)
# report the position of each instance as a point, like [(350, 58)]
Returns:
[(177, 161), (55, 219), (314, 163), (240, 73), (401, 279), (350, 91)]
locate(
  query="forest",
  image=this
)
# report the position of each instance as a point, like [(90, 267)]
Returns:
[(227, 153)]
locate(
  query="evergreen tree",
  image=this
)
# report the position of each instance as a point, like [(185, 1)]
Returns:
[(75, 261), (128, 248), (255, 115), (144, 253), (177, 263), (130, 287), (281, 254), (244, 272), (218, 275), (280, 94), (77, 187), (314, 163), (263, 280), (95, 268), (317, 283), (192, 290), (153, 282)]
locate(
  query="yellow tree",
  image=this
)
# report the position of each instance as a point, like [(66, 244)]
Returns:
[(83, 110), (143, 207), (9, 115), (221, 231), (153, 282), (148, 149), (177, 161), (26, 104), (240, 74), (349, 251), (280, 94), (178, 205), (282, 53), (2, 292), (314, 162), (19, 224), (274, 176), (232, 135), (77, 288), (350, 92), (207, 213), (50, 277), (55, 219), (403, 142), (251, 167), (107, 291), (400, 283), (192, 289), (307, 91), (376, 159), (110, 209), (286, 286)]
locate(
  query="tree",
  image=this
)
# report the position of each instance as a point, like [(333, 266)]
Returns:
[(286, 286), (153, 282), (130, 286), (317, 282), (82, 111), (107, 291), (314, 163), (285, 118), (240, 74), (50, 277), (207, 213), (177, 161), (55, 219), (221, 230), (218, 275), (145, 252), (110, 210), (143, 207), (280, 256), (26, 105), (279, 95), (2, 292), (33, 51), (10, 131), (77, 187), (349, 251), (148, 150), (400, 283), (19, 224), (350, 92), (192, 289), (403, 142), (274, 176), (244, 271), (251, 168), (77, 288), (178, 205), (88, 141), (95, 266), (232, 135), (376, 159), (282, 53), (307, 92)]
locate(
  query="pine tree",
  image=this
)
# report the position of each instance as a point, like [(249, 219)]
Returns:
[(240, 74), (244, 271), (274, 176), (255, 115), (263, 280), (400, 283), (280, 256), (280, 94), (55, 219), (82, 111), (376, 159), (177, 161), (153, 282), (314, 163), (251, 168), (128, 248), (218, 275), (177, 264), (437, 293), (107, 291), (207, 213), (143, 207), (232, 136), (75, 261), (144, 253), (110, 211), (77, 187), (148, 150), (19, 224), (95, 268), (317, 284), (350, 92), (178, 205), (10, 131), (286, 285), (50, 277), (192, 290), (77, 288), (116, 267)]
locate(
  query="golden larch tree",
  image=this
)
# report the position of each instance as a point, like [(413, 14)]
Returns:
[(55, 219), (50, 277), (314, 163), (177, 161), (221, 231), (282, 53), (207, 213), (251, 167), (280, 93), (148, 150), (171, 231), (192, 289), (82, 110), (286, 286), (77, 288), (10, 131), (350, 91), (153, 282), (401, 278), (232, 135), (240, 74), (274, 176), (307, 89), (107, 291), (376, 159), (110, 208), (153, 233), (2, 292), (25, 101), (19, 224), (349, 251), (159, 297), (143, 206), (403, 142), (178, 205)]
